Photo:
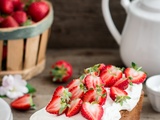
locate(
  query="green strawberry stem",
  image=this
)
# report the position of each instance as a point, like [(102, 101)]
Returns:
[(121, 99), (136, 67)]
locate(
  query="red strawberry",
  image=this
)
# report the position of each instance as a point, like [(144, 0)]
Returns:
[(122, 83), (19, 6), (118, 95), (62, 92), (15, 2), (1, 19), (9, 22), (56, 106), (77, 92), (38, 10), (23, 103), (91, 81), (135, 74), (98, 95), (92, 111), (73, 83), (110, 75), (74, 107), (20, 17), (61, 71), (6, 6)]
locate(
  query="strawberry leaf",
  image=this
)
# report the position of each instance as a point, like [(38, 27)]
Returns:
[(30, 88)]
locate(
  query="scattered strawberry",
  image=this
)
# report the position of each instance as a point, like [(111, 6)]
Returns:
[(6, 6), (74, 107), (57, 105), (61, 71), (9, 22), (38, 10), (91, 81), (135, 74), (118, 95), (23, 103), (122, 83), (20, 17), (92, 111), (110, 75)]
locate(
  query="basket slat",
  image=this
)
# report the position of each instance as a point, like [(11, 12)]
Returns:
[(31, 52), (43, 45), (15, 55), (1, 51)]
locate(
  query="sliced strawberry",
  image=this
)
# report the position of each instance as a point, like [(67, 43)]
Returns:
[(91, 81), (77, 92), (92, 111), (135, 74), (62, 92), (74, 107), (23, 103), (98, 95), (110, 75), (122, 83), (73, 83), (57, 105), (118, 95)]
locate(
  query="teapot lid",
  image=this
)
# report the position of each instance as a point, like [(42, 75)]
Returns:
[(151, 4)]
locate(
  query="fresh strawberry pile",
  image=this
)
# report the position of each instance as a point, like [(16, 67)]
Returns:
[(15, 13), (88, 93)]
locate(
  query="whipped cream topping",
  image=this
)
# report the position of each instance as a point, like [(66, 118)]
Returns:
[(111, 109)]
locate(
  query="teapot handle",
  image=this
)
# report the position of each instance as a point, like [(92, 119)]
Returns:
[(108, 19)]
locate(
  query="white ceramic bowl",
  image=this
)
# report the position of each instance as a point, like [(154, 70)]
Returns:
[(153, 91)]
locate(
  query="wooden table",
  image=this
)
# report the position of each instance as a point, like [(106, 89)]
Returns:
[(79, 59)]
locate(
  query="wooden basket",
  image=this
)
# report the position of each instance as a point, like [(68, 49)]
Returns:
[(26, 48)]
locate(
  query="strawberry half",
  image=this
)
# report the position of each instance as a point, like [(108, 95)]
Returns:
[(92, 111), (118, 95), (98, 95), (91, 81), (135, 74), (23, 103), (73, 83), (110, 74), (57, 105), (74, 107), (122, 83)]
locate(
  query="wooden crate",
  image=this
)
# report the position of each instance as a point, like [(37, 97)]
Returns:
[(26, 48)]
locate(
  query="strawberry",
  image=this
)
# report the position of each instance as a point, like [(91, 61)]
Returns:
[(57, 105), (92, 111), (9, 22), (135, 74), (15, 2), (19, 6), (122, 83), (61, 71), (91, 81), (77, 92), (74, 107), (6, 6), (95, 70), (110, 74), (20, 17), (97, 95), (38, 10), (23, 103), (73, 83), (1, 19), (118, 95)]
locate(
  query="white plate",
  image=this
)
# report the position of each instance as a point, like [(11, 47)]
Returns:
[(5, 111)]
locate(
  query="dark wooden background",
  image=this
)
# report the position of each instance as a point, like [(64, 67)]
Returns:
[(80, 24)]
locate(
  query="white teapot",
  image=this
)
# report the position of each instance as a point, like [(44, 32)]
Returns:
[(140, 38)]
